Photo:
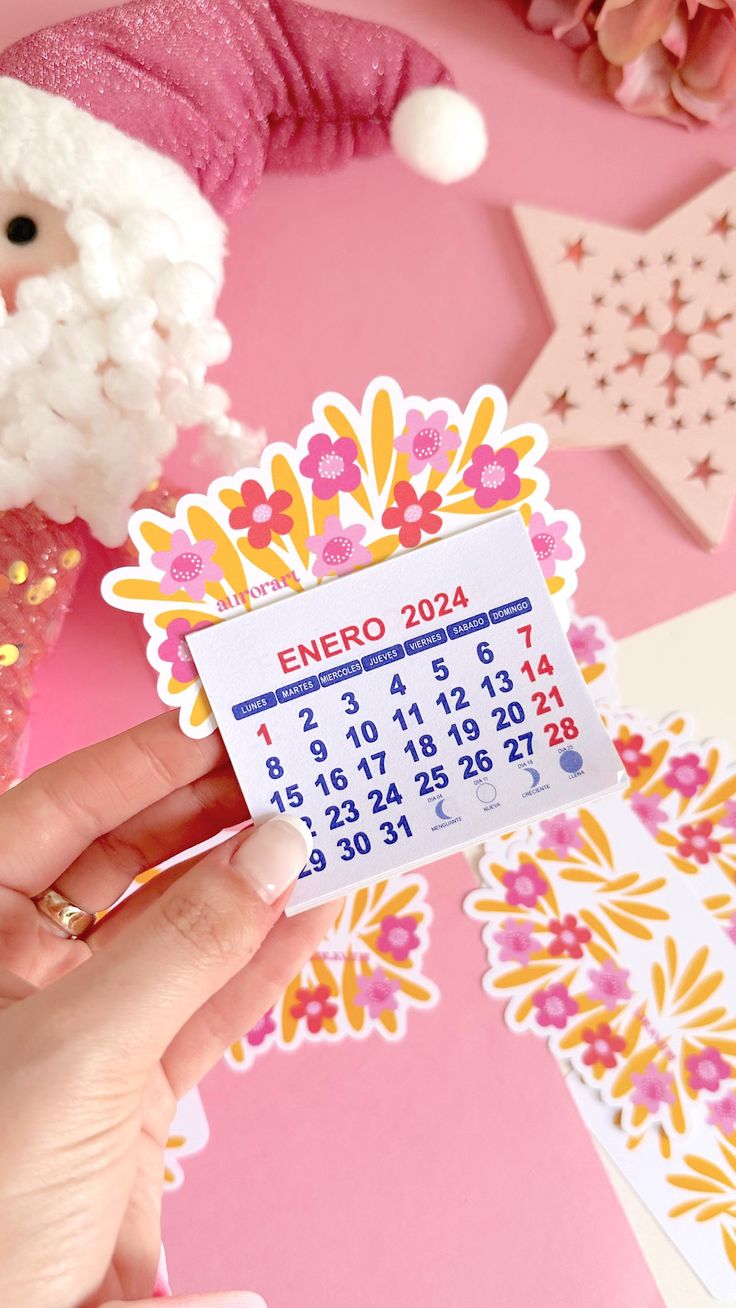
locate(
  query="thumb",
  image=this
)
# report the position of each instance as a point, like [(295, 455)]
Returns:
[(138, 992)]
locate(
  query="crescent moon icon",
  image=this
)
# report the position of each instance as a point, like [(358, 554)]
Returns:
[(444, 817), (533, 776)]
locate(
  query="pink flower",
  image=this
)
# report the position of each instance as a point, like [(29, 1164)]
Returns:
[(731, 928), (610, 985), (331, 465), (265, 1026), (492, 473), (649, 811), (652, 1088), (707, 1069), (187, 565), (315, 1004), (729, 817), (174, 649), (515, 939), (561, 834), (426, 441), (659, 58), (377, 993), (554, 1006), (338, 549), (722, 1113), (397, 936), (548, 540), (604, 1045), (413, 514), (686, 774), (569, 937), (631, 754), (697, 843), (263, 515), (524, 886), (584, 643)]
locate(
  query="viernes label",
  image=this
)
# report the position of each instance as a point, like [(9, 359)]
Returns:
[(409, 709)]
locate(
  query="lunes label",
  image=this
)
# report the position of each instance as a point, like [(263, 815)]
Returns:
[(409, 709)]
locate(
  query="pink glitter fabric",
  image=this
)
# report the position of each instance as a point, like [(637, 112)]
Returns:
[(229, 88)]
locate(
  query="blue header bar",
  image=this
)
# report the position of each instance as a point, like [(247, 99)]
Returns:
[(255, 705), (516, 609)]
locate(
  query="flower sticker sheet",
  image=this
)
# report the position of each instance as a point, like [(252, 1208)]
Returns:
[(364, 483), (596, 948), (189, 1133), (366, 978), (655, 1069)]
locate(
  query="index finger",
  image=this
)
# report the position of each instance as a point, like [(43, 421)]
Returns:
[(51, 817)]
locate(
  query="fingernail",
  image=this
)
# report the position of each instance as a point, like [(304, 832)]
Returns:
[(272, 857)]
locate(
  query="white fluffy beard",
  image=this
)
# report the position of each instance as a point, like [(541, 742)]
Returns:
[(100, 363)]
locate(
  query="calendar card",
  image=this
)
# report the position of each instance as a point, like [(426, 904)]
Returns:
[(407, 710)]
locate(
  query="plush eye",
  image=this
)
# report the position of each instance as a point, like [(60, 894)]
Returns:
[(21, 230)]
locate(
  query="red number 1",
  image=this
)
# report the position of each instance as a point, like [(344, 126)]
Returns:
[(263, 732)]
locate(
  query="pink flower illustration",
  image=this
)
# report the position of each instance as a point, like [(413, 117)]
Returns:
[(568, 937), (492, 475), (412, 514), (377, 993), (548, 540), (187, 565), (584, 643), (265, 1026), (649, 811), (707, 1069), (261, 514), (729, 817), (631, 754), (174, 649), (722, 1113), (604, 1045), (610, 985), (516, 941), (697, 843), (315, 1004), (554, 1006), (524, 886), (686, 774), (652, 1088), (561, 834), (731, 928), (426, 441), (338, 549), (397, 937), (331, 465)]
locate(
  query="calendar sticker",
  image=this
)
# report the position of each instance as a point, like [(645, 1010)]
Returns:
[(408, 710)]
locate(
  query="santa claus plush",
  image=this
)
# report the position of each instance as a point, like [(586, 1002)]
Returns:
[(125, 137)]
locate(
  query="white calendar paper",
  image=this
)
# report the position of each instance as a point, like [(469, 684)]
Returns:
[(409, 709)]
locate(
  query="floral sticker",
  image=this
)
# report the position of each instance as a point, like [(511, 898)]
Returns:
[(367, 977), (364, 482)]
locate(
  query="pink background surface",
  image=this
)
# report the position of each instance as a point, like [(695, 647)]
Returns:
[(453, 1158)]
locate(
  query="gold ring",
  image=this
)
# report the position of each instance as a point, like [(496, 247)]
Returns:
[(73, 921)]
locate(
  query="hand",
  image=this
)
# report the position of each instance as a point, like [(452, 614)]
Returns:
[(100, 1037)]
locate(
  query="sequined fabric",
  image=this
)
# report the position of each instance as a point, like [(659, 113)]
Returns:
[(229, 88), (40, 561)]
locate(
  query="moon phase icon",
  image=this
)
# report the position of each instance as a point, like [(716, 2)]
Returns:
[(533, 776), (444, 817), (485, 792)]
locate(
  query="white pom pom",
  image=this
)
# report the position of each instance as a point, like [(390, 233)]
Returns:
[(439, 134)]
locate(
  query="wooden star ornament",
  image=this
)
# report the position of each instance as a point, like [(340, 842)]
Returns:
[(644, 352)]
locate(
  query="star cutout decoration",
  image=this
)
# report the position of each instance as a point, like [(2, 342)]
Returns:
[(643, 356)]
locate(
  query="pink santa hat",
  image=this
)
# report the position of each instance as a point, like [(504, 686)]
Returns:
[(179, 106)]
